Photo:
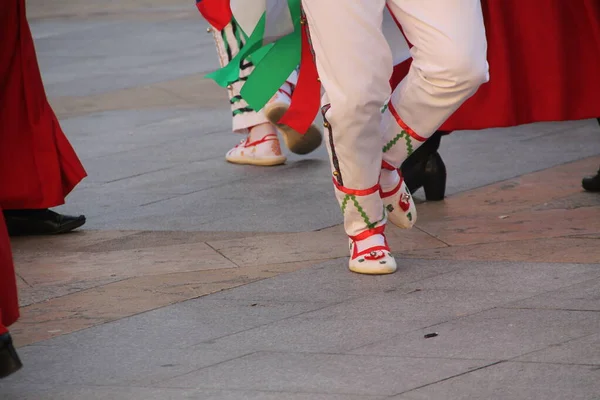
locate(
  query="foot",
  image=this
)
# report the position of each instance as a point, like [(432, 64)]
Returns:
[(265, 151), (9, 360), (40, 222), (592, 183), (296, 142), (370, 254), (425, 169), (397, 200)]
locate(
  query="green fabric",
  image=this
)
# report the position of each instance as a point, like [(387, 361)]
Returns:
[(272, 70), (273, 63), (270, 73), (231, 72)]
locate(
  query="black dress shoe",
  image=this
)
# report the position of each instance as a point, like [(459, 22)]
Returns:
[(592, 183), (40, 222), (9, 359), (425, 168)]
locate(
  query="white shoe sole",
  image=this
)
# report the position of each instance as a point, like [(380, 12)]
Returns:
[(374, 267), (297, 143), (263, 162)]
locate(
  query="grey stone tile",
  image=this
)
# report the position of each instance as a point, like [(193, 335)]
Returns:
[(181, 325), (331, 282), (310, 335), (62, 392), (416, 308), (585, 350), (47, 28), (582, 296), (512, 277), (147, 126), (515, 381), (98, 205), (102, 363), (323, 373), (100, 59), (497, 334), (227, 206), (531, 147)]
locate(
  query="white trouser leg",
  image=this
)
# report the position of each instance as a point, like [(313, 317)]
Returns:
[(449, 64), (229, 42), (354, 63)]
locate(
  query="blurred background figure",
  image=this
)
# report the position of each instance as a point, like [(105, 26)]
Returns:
[(544, 58), (9, 306), (38, 166)]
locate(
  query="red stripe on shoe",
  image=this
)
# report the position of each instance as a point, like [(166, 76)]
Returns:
[(285, 92), (394, 190), (387, 166), (369, 250), (368, 233), (267, 138)]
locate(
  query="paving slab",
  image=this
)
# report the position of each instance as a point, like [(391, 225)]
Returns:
[(323, 373), (516, 381), (583, 296), (524, 277), (195, 278), (330, 282), (35, 392), (497, 334), (585, 350)]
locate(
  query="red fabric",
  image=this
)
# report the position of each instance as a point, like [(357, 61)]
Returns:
[(9, 303), (38, 166), (216, 12), (544, 58), (306, 98)]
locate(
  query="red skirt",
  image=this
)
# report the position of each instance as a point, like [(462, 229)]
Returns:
[(544, 58), (9, 303), (38, 166)]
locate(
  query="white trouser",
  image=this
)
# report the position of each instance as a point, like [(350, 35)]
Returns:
[(354, 62), (229, 41)]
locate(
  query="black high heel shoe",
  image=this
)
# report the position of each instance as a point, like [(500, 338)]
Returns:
[(434, 178), (9, 359), (425, 168)]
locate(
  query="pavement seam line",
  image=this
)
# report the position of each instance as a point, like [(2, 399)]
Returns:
[(448, 378)]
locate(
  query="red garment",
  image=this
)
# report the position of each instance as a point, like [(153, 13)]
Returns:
[(38, 166), (216, 12), (544, 58), (9, 304)]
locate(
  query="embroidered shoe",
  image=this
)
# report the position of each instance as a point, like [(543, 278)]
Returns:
[(296, 142), (370, 254), (265, 152), (400, 206), (398, 202)]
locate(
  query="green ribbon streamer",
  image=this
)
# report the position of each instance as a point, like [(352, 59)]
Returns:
[(277, 65), (273, 63), (231, 72)]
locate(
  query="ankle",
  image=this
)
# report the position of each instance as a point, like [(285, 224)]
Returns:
[(389, 179), (372, 242), (259, 131)]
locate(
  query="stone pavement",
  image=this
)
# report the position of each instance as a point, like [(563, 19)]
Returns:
[(194, 279)]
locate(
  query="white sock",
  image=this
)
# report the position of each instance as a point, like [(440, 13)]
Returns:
[(259, 131), (371, 241), (389, 179)]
